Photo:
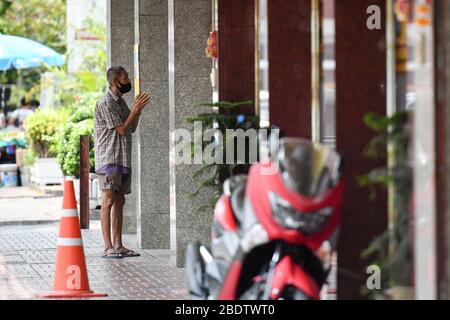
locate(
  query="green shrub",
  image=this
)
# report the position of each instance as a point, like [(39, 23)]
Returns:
[(41, 128), (83, 113), (68, 141)]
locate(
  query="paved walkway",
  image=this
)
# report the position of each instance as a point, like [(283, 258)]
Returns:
[(25, 205), (28, 251), (27, 258)]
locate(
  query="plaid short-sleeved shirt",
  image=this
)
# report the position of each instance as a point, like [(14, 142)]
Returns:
[(110, 147)]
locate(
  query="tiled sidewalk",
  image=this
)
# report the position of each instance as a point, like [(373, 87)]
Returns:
[(26, 205), (27, 258)]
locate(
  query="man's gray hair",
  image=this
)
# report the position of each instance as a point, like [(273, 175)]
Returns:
[(114, 73)]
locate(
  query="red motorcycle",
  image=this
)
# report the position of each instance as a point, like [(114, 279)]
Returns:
[(269, 228)]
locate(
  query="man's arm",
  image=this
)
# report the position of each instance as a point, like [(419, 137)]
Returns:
[(123, 129), (133, 119), (135, 124)]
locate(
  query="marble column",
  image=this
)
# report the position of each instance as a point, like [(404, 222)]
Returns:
[(120, 38), (151, 32), (189, 82)]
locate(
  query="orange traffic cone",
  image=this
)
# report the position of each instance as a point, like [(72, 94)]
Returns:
[(71, 278)]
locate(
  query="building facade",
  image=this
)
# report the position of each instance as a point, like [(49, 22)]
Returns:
[(315, 68)]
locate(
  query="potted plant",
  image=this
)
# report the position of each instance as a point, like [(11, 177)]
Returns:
[(391, 249), (67, 146), (41, 128), (212, 176)]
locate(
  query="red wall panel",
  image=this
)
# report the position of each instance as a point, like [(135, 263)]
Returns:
[(236, 51), (290, 66), (360, 87)]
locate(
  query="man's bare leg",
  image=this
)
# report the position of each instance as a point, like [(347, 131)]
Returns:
[(117, 220), (107, 204)]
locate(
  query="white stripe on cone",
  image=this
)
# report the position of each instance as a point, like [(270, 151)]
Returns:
[(69, 213), (69, 242)]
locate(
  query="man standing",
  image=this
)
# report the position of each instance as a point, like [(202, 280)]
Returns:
[(113, 125)]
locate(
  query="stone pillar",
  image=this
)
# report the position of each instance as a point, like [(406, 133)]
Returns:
[(120, 29), (360, 88), (153, 133), (424, 168), (189, 83)]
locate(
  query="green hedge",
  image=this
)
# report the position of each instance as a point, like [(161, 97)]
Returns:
[(68, 141), (41, 128)]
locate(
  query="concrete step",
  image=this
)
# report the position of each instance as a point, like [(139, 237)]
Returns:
[(54, 191)]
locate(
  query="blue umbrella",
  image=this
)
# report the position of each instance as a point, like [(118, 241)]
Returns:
[(20, 53)]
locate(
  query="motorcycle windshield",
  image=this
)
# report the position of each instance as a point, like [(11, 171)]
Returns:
[(310, 169)]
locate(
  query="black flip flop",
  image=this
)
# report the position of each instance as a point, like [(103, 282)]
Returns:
[(113, 255), (130, 254)]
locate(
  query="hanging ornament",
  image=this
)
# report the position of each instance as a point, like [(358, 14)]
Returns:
[(403, 10), (211, 49)]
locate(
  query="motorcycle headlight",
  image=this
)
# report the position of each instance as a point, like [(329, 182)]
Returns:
[(308, 223)]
